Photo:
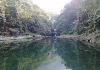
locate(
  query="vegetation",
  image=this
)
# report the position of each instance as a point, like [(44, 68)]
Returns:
[(22, 17), (80, 17)]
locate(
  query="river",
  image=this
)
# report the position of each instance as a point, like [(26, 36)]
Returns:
[(49, 54)]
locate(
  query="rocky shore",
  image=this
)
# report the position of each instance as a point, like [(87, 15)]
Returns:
[(20, 38)]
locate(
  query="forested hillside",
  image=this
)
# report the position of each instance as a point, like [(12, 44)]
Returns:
[(80, 17), (22, 17)]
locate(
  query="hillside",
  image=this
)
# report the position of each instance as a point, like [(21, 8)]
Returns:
[(22, 17), (80, 17)]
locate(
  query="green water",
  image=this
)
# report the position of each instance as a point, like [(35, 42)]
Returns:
[(49, 54)]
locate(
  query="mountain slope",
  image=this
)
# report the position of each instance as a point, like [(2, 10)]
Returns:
[(23, 16)]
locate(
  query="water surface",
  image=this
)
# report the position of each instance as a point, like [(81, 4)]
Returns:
[(49, 54)]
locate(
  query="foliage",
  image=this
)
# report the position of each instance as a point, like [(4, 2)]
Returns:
[(24, 17), (79, 17)]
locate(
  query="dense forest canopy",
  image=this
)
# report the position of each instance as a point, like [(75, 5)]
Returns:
[(79, 17), (22, 16)]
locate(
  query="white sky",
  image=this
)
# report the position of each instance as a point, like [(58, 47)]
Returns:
[(53, 6)]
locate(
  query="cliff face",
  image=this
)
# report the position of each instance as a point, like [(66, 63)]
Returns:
[(22, 16)]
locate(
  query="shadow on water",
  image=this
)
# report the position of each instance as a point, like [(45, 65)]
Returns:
[(49, 54)]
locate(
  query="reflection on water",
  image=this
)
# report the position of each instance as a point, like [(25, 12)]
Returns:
[(55, 63), (60, 54)]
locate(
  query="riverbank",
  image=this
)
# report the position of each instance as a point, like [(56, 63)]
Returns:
[(19, 38), (90, 39), (86, 39)]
